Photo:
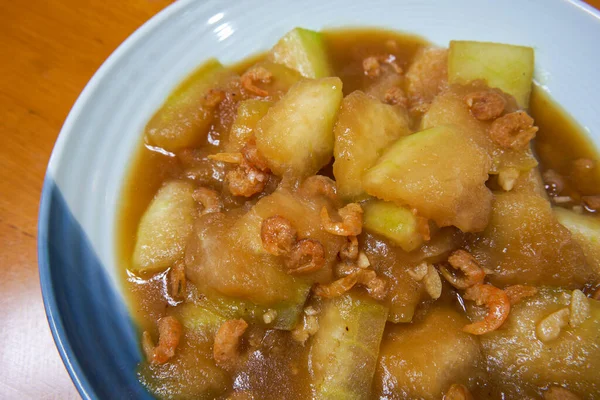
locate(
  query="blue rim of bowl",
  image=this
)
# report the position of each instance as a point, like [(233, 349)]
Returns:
[(77, 374)]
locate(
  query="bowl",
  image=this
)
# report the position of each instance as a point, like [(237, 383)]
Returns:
[(83, 297)]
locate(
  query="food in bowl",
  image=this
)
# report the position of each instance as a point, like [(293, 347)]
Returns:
[(359, 214)]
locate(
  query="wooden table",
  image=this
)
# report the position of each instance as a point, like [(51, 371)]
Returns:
[(49, 50)]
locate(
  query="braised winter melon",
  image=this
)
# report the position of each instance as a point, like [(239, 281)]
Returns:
[(440, 172)]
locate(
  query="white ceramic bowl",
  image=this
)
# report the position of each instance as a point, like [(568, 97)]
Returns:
[(77, 224)]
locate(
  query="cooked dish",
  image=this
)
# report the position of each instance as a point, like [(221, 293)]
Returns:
[(359, 214)]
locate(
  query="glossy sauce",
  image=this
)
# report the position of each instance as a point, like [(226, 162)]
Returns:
[(559, 142)]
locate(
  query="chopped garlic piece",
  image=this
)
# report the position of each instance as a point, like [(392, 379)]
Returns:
[(433, 282), (269, 316), (580, 308), (549, 328), (418, 272), (507, 178), (363, 260)]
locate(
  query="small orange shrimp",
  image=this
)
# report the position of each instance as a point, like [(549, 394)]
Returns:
[(253, 156), (229, 158), (246, 181), (516, 293), (497, 303), (169, 334), (227, 342), (458, 392), (349, 251), (351, 224), (209, 199), (277, 235), (462, 260), (177, 282), (396, 96), (306, 256), (338, 287), (485, 105), (256, 73), (346, 268), (375, 286), (513, 131), (372, 65), (251, 174), (213, 98), (319, 185)]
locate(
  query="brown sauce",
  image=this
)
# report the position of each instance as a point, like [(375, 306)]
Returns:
[(559, 142)]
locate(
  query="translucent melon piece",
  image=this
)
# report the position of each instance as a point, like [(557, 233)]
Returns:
[(393, 264), (520, 364), (303, 213), (422, 359), (228, 264), (183, 121), (426, 77), (450, 108), (343, 352), (165, 227), (286, 312), (296, 134), (192, 372), (585, 230), (304, 51), (364, 129), (217, 261), (282, 79), (502, 66), (249, 112), (525, 244), (200, 321), (397, 223), (440, 172)]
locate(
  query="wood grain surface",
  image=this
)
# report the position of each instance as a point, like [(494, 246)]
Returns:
[(49, 50)]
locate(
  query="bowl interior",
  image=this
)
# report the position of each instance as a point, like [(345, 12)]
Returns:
[(77, 224)]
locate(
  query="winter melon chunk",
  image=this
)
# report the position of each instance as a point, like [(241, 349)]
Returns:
[(519, 363), (397, 223), (303, 50), (525, 220), (296, 135), (438, 171), (365, 127), (249, 112), (192, 373), (165, 227), (503, 66), (344, 351), (183, 121), (585, 230), (422, 359)]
